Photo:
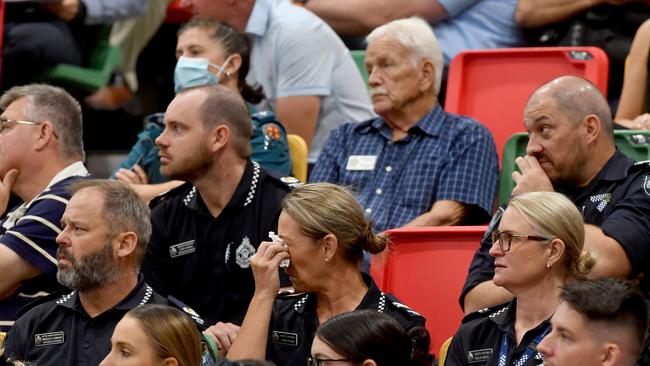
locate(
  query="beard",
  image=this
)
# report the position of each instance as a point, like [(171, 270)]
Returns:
[(93, 271), (198, 162)]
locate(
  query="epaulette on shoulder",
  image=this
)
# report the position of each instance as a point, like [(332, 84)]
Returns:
[(41, 300), (291, 182), (187, 310), (290, 295), (396, 305), (485, 312), (171, 193), (643, 164)]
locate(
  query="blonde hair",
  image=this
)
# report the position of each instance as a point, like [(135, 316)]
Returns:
[(554, 215), (324, 208), (172, 333)]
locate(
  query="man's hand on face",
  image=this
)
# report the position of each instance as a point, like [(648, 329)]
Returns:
[(532, 177), (6, 184)]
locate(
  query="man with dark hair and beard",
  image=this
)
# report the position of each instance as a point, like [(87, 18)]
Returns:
[(205, 231), (106, 227)]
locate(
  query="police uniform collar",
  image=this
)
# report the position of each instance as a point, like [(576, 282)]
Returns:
[(616, 168), (140, 295), (374, 298), (244, 193), (504, 316), (430, 124)]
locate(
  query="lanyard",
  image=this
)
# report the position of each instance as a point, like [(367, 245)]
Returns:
[(532, 347)]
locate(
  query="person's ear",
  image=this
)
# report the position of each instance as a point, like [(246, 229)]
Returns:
[(219, 137), (592, 126), (611, 355), (330, 246), (126, 244), (170, 361), (45, 134), (369, 362), (428, 74), (557, 248), (233, 64)]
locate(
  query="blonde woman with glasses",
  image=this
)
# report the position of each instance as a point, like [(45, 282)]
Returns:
[(537, 247)]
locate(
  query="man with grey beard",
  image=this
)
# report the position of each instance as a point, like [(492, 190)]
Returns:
[(106, 228), (415, 164)]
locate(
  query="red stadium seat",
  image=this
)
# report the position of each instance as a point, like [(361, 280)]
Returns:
[(493, 85), (176, 13), (426, 268)]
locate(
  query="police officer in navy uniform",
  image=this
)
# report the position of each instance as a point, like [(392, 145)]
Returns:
[(106, 227), (323, 233), (538, 247), (571, 150), (205, 231)]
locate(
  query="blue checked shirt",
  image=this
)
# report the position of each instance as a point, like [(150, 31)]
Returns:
[(443, 157)]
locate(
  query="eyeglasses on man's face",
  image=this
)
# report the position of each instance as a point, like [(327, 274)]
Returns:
[(6, 123), (505, 238), (315, 361)]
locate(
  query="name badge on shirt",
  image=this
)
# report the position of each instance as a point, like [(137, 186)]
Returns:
[(361, 162), (48, 339), (286, 338), (181, 249), (479, 355)]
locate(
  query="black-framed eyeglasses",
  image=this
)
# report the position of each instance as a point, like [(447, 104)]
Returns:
[(505, 238), (4, 122), (315, 361)]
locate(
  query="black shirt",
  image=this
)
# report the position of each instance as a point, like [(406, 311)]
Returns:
[(617, 200), (203, 260), (294, 322), (479, 339), (59, 331)]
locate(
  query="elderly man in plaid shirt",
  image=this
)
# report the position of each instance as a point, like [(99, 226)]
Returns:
[(415, 164)]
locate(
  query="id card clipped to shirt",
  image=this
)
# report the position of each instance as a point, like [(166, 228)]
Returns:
[(361, 162)]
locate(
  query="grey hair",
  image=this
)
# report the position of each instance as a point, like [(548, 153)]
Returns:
[(122, 209), (415, 34), (51, 103)]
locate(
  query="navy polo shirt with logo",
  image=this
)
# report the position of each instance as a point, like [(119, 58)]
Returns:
[(294, 322), (617, 200), (204, 261), (60, 332)]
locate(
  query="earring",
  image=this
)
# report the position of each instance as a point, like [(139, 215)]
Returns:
[(548, 266)]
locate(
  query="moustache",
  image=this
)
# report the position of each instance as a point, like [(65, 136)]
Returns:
[(378, 90), (66, 253)]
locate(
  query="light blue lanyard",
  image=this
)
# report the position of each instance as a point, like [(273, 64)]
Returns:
[(532, 347)]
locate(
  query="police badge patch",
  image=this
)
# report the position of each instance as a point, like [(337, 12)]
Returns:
[(244, 253), (646, 185)]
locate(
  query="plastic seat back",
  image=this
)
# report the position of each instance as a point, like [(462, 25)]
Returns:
[(359, 57), (493, 86), (635, 144), (299, 152), (104, 58), (426, 267)]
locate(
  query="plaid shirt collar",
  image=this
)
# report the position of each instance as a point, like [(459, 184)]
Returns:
[(430, 124)]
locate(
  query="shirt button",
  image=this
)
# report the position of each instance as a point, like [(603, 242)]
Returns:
[(389, 168), (368, 210), (378, 191), (86, 345)]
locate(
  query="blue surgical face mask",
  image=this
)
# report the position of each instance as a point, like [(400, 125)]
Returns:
[(191, 72)]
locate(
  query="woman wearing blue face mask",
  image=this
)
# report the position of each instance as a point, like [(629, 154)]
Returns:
[(208, 53)]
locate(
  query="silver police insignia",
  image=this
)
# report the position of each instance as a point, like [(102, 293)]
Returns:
[(646, 185), (244, 253)]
